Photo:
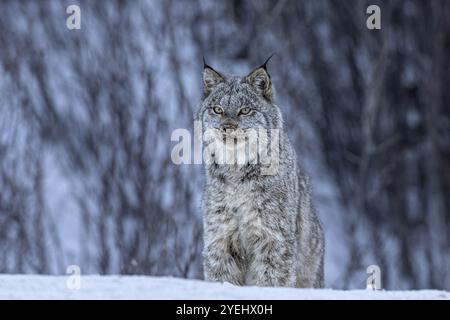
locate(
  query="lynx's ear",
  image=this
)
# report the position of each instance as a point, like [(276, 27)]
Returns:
[(260, 80), (211, 78)]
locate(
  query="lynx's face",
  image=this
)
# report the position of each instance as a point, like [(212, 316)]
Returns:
[(238, 117), (234, 104)]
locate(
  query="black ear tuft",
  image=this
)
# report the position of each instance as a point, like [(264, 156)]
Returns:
[(264, 65), (205, 65)]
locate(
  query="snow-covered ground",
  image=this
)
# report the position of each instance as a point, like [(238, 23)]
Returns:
[(139, 287)]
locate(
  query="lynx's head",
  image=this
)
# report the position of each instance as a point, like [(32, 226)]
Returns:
[(238, 103), (240, 121)]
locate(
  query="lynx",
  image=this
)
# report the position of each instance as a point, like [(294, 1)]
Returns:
[(259, 229)]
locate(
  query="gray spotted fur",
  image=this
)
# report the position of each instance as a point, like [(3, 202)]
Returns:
[(258, 229)]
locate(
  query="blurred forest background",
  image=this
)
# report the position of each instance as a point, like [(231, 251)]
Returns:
[(86, 118)]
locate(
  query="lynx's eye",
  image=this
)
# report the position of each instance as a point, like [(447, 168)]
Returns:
[(218, 110), (244, 111)]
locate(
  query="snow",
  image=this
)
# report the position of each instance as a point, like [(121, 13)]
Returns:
[(144, 287)]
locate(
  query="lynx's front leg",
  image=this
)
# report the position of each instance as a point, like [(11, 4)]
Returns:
[(271, 265), (219, 263)]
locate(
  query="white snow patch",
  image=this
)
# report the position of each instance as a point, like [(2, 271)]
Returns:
[(144, 287)]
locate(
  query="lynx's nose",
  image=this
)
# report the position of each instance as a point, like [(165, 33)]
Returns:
[(229, 125)]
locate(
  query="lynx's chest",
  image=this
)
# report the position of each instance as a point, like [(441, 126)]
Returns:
[(241, 205), (238, 198)]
